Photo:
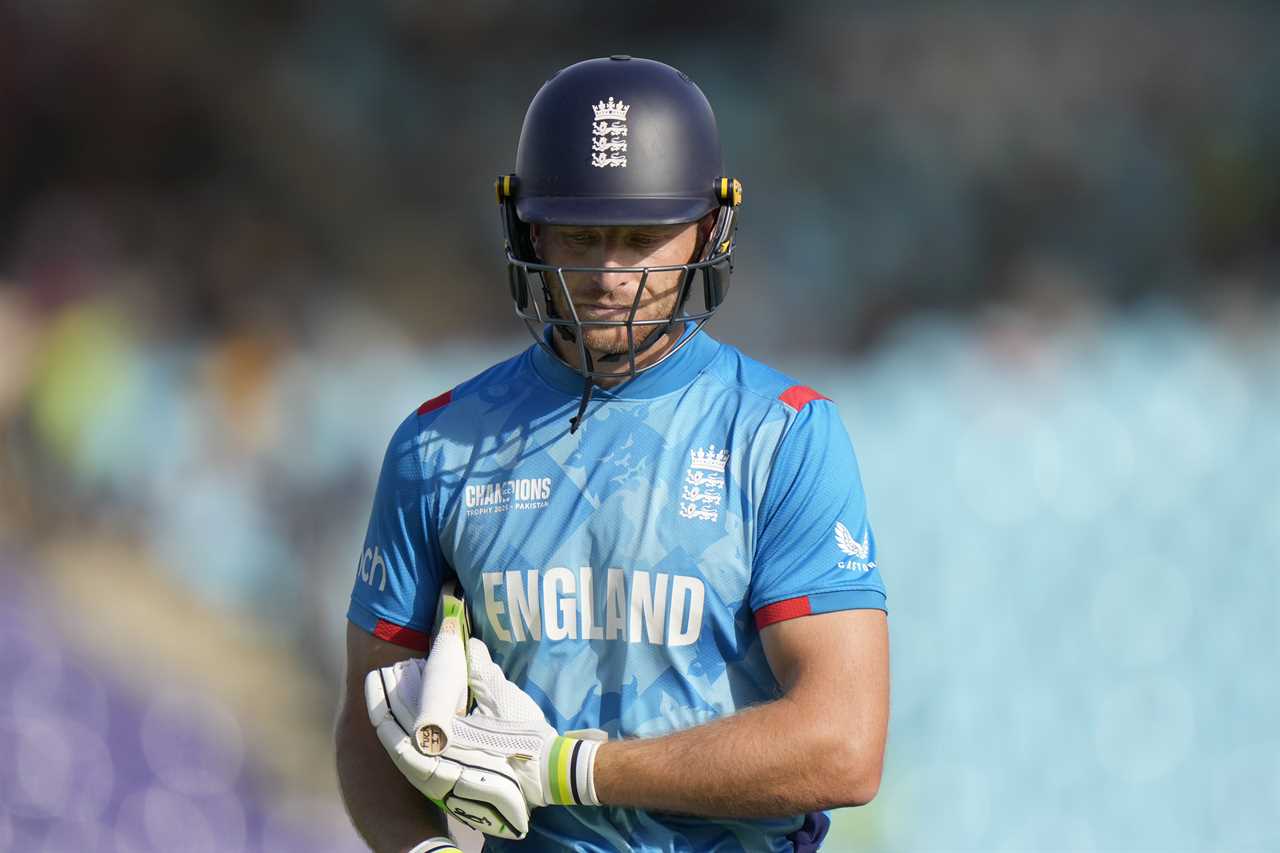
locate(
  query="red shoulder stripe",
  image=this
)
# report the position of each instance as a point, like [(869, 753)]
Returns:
[(798, 396), (436, 402), (401, 636), (780, 611)]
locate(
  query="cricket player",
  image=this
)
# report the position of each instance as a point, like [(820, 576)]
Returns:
[(679, 626)]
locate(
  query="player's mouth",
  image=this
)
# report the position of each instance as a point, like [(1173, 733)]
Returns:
[(604, 312)]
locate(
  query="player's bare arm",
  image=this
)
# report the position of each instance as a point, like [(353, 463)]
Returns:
[(819, 746), (389, 813)]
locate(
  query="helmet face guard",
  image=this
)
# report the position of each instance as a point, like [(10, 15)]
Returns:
[(539, 314), (608, 143)]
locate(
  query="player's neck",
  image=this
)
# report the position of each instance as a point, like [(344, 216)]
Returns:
[(569, 352)]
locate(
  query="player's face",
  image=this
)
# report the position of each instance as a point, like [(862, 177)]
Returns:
[(609, 296)]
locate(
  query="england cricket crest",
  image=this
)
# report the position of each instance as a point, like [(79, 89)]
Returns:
[(703, 489), (609, 134)]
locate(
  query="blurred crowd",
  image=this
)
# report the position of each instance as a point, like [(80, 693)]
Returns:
[(240, 241), (87, 765)]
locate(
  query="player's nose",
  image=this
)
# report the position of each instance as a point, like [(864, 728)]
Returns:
[(610, 281)]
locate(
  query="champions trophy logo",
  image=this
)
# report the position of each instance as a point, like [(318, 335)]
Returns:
[(609, 134)]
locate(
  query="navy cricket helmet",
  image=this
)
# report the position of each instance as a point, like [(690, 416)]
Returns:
[(614, 142)]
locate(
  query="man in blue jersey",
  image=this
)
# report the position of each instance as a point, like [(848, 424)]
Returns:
[(657, 537)]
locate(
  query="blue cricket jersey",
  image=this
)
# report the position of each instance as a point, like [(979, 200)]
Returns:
[(621, 575)]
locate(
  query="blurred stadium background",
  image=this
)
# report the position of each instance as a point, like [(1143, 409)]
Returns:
[(1033, 252)]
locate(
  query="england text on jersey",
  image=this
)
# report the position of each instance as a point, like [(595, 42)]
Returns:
[(560, 604)]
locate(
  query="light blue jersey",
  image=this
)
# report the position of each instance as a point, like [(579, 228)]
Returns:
[(622, 574)]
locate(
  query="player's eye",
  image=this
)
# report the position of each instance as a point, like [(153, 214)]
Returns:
[(583, 238)]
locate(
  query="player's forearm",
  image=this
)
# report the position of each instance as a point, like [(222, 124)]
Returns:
[(781, 758), (389, 813)]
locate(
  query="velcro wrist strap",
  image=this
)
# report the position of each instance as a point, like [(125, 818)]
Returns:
[(571, 765), (439, 844)]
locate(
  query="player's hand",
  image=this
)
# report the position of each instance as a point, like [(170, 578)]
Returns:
[(552, 769), (475, 786)]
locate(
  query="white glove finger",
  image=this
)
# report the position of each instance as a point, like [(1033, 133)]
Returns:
[(391, 733), (375, 697), (403, 681), (494, 693), (381, 689), (434, 777), (483, 675), (479, 662)]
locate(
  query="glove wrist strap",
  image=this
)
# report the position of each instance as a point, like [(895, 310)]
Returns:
[(571, 772), (438, 844)]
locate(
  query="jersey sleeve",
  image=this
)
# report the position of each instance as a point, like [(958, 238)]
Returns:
[(400, 568), (815, 552)]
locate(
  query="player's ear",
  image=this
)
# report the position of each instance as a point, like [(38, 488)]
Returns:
[(706, 225)]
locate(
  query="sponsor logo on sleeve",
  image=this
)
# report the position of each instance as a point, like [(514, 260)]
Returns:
[(373, 567), (858, 551)]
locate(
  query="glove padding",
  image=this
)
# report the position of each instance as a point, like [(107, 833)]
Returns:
[(476, 786), (506, 723)]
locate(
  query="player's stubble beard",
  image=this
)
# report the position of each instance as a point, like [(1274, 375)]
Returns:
[(608, 345)]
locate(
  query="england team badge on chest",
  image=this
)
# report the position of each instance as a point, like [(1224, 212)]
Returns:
[(702, 491)]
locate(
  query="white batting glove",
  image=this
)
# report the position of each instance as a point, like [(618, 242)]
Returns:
[(552, 769), (476, 787)]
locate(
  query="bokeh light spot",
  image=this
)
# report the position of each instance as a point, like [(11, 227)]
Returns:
[(192, 743)]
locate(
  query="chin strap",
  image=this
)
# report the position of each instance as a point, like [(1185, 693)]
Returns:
[(576, 420), (587, 390), (589, 386)]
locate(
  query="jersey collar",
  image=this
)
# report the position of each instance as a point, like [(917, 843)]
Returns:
[(673, 374)]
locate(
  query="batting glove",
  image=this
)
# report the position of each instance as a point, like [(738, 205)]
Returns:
[(552, 769), (475, 786)]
